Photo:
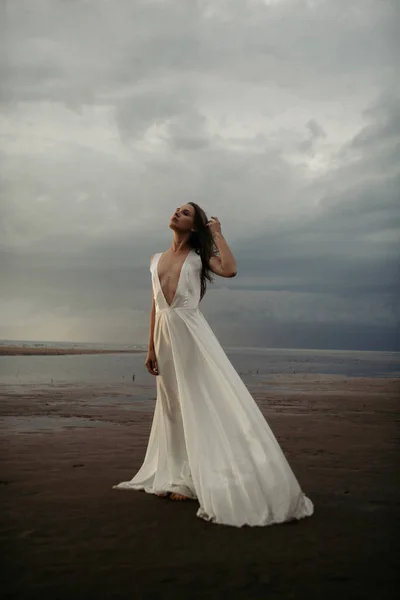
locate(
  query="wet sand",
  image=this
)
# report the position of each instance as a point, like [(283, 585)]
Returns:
[(67, 534), (34, 351)]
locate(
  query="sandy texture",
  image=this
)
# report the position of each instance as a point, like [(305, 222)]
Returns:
[(67, 534), (34, 351)]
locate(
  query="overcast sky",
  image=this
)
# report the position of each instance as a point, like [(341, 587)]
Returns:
[(281, 117)]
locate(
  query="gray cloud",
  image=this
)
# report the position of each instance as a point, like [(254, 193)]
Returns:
[(281, 117)]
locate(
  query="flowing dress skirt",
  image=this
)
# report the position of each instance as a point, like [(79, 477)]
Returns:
[(209, 440)]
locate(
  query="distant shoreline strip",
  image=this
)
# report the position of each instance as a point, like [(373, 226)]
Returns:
[(32, 351)]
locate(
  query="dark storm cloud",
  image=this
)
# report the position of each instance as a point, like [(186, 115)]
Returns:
[(349, 246)]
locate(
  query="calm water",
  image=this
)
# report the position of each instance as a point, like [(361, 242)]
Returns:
[(251, 364)]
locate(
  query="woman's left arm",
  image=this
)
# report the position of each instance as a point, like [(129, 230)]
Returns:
[(223, 265)]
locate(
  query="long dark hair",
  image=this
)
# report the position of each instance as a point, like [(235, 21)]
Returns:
[(203, 243)]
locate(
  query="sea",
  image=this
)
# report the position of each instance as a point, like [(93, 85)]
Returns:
[(252, 364)]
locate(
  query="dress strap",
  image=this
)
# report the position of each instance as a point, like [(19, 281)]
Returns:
[(153, 260)]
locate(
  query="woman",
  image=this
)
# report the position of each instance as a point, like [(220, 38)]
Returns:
[(209, 440)]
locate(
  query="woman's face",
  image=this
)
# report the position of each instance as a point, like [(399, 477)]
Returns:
[(183, 218)]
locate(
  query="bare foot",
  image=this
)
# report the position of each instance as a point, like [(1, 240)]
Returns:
[(178, 497), (162, 494)]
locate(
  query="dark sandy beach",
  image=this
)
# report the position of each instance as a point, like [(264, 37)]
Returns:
[(66, 533)]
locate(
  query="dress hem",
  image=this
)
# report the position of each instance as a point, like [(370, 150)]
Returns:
[(305, 510)]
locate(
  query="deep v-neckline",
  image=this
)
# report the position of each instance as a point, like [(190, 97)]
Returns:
[(179, 278)]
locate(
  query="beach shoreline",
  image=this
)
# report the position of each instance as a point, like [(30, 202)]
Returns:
[(34, 351)]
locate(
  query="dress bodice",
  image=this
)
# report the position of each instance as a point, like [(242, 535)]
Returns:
[(188, 288)]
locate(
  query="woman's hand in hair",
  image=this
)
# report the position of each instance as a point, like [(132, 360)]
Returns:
[(223, 265), (214, 225)]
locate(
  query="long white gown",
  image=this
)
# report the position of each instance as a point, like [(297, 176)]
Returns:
[(209, 440)]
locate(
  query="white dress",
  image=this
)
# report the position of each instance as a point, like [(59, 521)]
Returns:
[(209, 440)]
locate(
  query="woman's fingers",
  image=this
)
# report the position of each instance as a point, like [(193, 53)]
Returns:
[(151, 366), (151, 370)]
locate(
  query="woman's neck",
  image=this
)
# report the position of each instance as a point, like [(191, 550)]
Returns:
[(180, 243)]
